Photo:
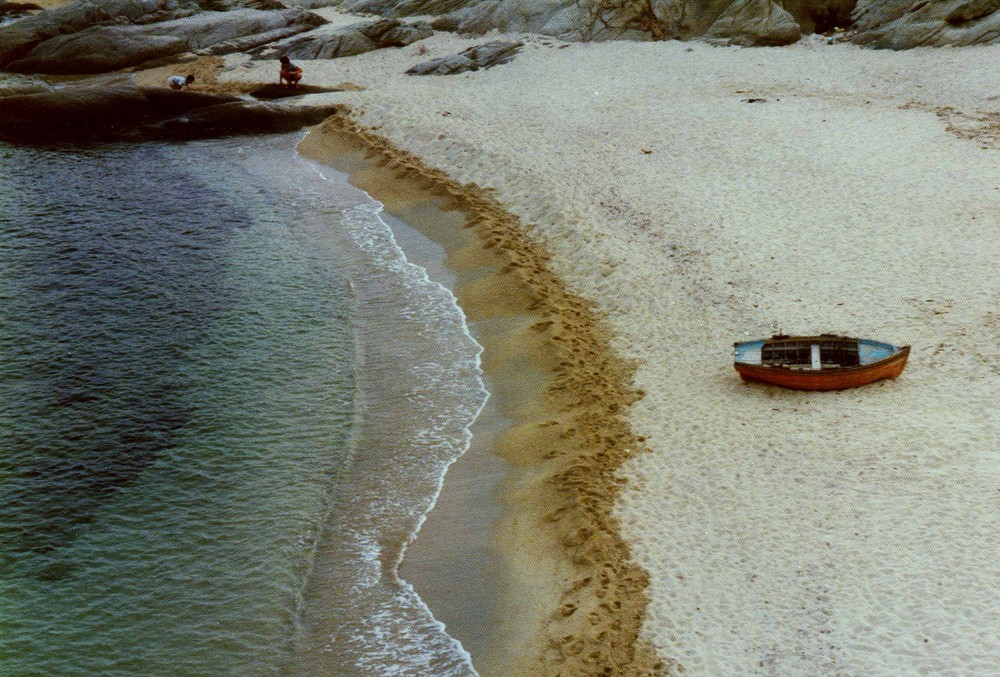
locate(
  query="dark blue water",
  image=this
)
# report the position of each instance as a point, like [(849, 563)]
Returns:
[(175, 395), (112, 277), (180, 387)]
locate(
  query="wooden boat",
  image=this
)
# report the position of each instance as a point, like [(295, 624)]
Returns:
[(824, 362)]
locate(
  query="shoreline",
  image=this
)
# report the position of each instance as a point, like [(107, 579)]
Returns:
[(453, 564), (565, 444), (417, 388), (779, 533), (693, 217)]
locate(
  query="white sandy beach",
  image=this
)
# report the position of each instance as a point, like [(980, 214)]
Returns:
[(785, 533)]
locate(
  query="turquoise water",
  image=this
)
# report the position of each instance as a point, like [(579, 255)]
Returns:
[(226, 402)]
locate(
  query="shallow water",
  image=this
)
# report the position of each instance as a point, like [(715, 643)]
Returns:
[(226, 401)]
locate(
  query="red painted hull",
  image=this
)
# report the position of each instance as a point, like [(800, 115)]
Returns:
[(826, 379)]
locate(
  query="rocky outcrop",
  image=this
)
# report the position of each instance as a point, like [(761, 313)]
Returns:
[(92, 36), (17, 8), (565, 19), (19, 38), (117, 109), (562, 18), (100, 49), (575, 19), (881, 23), (973, 10), (328, 42), (98, 108), (754, 23), (19, 85), (896, 24), (472, 59), (821, 16), (242, 117)]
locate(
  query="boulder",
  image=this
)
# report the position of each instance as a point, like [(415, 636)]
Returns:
[(229, 5), (242, 117), (869, 15), (99, 49), (754, 23), (565, 19), (115, 108), (560, 18), (19, 38), (329, 42), (472, 59), (894, 24), (404, 7), (973, 10), (17, 85), (250, 42), (820, 16), (8, 8), (102, 108), (881, 23)]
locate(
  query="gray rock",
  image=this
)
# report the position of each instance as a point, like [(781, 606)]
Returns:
[(115, 108), (399, 34), (242, 117), (565, 19), (229, 5), (972, 11), (251, 42), (474, 58), (8, 8), (98, 107), (329, 42), (97, 50), (18, 85), (754, 23), (894, 24), (404, 7), (869, 15), (820, 16), (687, 18), (881, 23), (19, 38), (100, 49)]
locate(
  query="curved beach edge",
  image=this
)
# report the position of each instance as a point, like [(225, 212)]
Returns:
[(559, 512)]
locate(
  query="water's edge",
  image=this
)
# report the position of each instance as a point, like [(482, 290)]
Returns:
[(192, 311), (430, 408), (565, 579)]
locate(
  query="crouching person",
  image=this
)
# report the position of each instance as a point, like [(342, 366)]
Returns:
[(290, 74)]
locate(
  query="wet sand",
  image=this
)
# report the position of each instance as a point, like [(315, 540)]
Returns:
[(701, 195), (566, 596)]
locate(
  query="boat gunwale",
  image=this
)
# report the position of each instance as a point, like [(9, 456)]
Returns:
[(899, 352)]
